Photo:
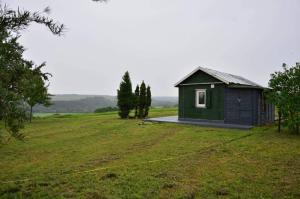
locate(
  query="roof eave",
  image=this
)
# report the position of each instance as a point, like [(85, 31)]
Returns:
[(185, 77), (196, 70), (233, 85)]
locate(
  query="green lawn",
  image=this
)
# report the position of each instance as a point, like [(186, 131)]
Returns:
[(101, 156)]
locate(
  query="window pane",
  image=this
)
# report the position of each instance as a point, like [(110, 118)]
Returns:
[(201, 98)]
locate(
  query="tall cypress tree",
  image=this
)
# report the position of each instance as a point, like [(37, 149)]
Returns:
[(125, 96), (142, 100), (148, 101), (136, 100)]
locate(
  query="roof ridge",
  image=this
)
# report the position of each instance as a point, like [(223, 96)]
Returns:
[(236, 76), (224, 72)]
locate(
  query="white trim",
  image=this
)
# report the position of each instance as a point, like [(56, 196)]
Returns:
[(203, 70), (197, 91)]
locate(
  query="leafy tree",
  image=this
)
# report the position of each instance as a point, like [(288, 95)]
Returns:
[(36, 92), (136, 100), (285, 94), (14, 69), (142, 100), (125, 96), (148, 101)]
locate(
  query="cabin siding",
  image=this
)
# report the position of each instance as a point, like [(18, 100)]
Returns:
[(242, 106), (187, 103)]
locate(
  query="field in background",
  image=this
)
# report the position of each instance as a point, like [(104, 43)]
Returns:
[(37, 115), (101, 156), (70, 103)]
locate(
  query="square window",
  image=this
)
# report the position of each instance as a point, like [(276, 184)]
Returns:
[(201, 98)]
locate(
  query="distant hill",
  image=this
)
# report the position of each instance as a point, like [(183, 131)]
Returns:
[(73, 103)]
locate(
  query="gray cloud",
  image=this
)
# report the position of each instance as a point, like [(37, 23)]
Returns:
[(161, 41)]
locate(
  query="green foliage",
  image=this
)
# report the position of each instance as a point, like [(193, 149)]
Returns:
[(14, 69), (106, 109), (125, 96), (285, 94), (36, 90), (13, 116), (148, 101), (136, 100), (142, 100)]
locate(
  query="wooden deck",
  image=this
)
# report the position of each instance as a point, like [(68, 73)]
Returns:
[(174, 119)]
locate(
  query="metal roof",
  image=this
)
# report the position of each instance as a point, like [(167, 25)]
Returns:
[(224, 77)]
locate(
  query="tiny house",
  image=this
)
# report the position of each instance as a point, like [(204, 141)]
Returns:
[(210, 95)]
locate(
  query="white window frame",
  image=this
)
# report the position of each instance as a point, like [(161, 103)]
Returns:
[(197, 98)]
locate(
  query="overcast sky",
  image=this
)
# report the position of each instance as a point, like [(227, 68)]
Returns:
[(160, 41)]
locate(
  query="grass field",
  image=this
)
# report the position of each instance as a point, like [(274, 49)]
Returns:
[(101, 156)]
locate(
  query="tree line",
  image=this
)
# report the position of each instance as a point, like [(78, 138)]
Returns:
[(106, 109), (139, 101)]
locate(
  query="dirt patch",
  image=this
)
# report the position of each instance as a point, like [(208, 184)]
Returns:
[(190, 195), (43, 184), (97, 195), (11, 190), (69, 195), (109, 176), (169, 185), (222, 192), (161, 175)]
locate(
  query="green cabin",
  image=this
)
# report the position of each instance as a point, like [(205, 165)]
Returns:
[(210, 95)]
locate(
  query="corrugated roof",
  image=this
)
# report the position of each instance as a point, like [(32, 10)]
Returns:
[(224, 77)]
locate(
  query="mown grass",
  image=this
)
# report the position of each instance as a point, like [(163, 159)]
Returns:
[(101, 156)]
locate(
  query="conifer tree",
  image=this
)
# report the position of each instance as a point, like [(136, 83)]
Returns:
[(142, 100), (125, 96), (136, 100), (148, 101)]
